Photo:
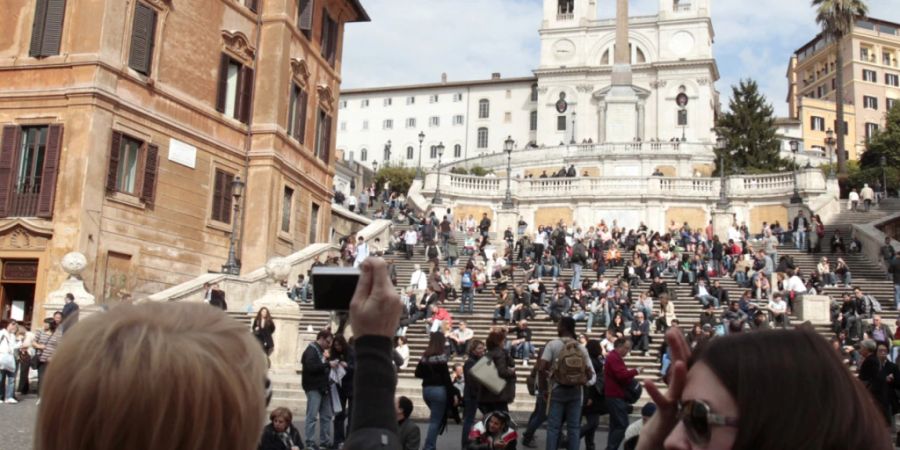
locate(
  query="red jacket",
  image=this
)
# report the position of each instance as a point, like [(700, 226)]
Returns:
[(616, 376)]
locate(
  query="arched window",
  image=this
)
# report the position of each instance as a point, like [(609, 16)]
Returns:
[(457, 151), (484, 108), (433, 152), (534, 92), (482, 137), (409, 152), (363, 154), (532, 122)]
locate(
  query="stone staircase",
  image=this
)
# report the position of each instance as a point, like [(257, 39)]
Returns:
[(866, 275)]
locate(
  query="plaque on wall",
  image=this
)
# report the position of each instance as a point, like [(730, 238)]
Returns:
[(561, 105), (20, 270), (681, 99)]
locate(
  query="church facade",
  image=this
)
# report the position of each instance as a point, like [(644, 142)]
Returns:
[(669, 93)]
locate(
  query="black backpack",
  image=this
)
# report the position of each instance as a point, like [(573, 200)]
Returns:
[(432, 252)]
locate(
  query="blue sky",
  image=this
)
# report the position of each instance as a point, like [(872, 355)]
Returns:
[(414, 41)]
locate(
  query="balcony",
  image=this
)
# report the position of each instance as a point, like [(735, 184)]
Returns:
[(24, 204), (682, 7), (562, 17)]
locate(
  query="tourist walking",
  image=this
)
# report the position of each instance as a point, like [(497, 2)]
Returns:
[(505, 366), (801, 225), (617, 379), (894, 270), (9, 347), (45, 343), (436, 383), (341, 384), (594, 405), (867, 194), (565, 369), (470, 390), (263, 328), (316, 370)]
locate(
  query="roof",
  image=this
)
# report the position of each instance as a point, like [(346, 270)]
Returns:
[(454, 84), (361, 14), (856, 25)]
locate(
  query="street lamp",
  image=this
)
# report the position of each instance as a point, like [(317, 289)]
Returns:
[(232, 267), (573, 128), (437, 191), (796, 199), (721, 146), (419, 165), (508, 145), (375, 166), (883, 162), (829, 143)]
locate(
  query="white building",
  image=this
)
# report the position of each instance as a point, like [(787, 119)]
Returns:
[(570, 99)]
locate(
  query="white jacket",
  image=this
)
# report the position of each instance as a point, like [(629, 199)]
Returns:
[(8, 343)]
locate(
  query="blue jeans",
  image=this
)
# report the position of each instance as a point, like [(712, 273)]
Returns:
[(540, 272), (705, 300), (467, 298), (618, 422), (525, 350), (800, 239), (436, 399), (896, 293), (318, 406), (601, 317), (469, 410), (576, 278), (10, 379), (565, 404)]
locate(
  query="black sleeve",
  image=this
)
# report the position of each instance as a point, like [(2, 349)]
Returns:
[(375, 425), (311, 362)]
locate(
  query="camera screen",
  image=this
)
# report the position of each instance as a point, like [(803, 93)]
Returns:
[(333, 287)]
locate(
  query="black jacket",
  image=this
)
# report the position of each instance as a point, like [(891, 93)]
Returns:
[(315, 369), (374, 426), (506, 369), (273, 441), (264, 334)]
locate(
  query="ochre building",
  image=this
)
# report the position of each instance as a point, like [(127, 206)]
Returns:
[(125, 122)]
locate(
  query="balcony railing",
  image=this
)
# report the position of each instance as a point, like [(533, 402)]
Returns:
[(565, 16), (24, 204)]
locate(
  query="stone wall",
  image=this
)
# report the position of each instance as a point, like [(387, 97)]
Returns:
[(694, 216), (769, 214)]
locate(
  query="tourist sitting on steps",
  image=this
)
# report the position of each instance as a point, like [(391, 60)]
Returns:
[(281, 434)]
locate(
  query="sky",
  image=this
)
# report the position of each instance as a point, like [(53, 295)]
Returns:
[(414, 41)]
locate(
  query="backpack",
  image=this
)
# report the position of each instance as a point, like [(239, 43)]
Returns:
[(466, 280), (570, 368), (432, 252), (872, 305)]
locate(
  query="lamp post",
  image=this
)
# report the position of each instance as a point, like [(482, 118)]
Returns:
[(437, 191), (508, 145), (796, 199), (573, 128), (829, 143), (232, 267), (419, 165), (883, 162), (721, 146), (374, 167)]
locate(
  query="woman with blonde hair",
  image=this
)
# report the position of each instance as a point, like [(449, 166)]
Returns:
[(178, 376)]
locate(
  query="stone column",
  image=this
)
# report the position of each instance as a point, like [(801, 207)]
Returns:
[(722, 218), (72, 263), (285, 314), (505, 218)]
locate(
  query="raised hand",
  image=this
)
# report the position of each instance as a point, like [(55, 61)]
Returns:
[(654, 433)]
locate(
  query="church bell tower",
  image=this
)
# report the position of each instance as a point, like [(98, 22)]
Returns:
[(569, 13)]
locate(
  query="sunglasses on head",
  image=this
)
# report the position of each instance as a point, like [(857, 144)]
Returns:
[(698, 420)]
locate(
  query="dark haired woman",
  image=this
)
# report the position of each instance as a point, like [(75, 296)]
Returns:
[(506, 369), (263, 328), (717, 401), (342, 352), (436, 383), (594, 405)]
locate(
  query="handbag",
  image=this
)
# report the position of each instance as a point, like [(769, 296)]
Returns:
[(485, 373), (633, 392), (7, 362)]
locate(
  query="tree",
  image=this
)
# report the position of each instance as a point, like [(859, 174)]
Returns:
[(750, 133), (837, 17), (885, 143), (400, 178)]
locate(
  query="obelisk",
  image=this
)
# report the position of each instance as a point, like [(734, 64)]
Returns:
[(621, 75), (622, 105)]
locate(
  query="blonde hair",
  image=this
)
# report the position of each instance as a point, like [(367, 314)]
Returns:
[(179, 376)]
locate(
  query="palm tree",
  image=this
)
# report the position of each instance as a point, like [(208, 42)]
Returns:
[(837, 17)]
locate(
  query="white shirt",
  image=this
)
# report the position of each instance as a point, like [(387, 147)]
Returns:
[(778, 307), (418, 280), (854, 196), (8, 342), (795, 284), (411, 237), (351, 201)]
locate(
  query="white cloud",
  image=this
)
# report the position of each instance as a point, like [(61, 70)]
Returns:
[(414, 41)]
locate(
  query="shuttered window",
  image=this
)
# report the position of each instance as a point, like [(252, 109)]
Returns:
[(297, 114), (329, 38), (29, 163), (323, 136), (221, 201), (235, 92), (133, 167), (143, 30), (305, 17), (46, 30)]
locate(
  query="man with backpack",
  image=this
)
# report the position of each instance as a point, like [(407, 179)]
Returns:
[(564, 369), (617, 380)]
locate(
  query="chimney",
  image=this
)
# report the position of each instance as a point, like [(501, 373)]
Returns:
[(444, 78), (495, 76)]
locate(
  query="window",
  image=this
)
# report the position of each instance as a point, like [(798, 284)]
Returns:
[(409, 152), (434, 121), (870, 75), (388, 101), (363, 155), (222, 198), (342, 104), (817, 123), (297, 114), (871, 129), (484, 108), (507, 117), (411, 122), (323, 136), (29, 163), (457, 97), (433, 152), (891, 79), (457, 151), (864, 53), (532, 121), (46, 31), (870, 102), (132, 167), (343, 125), (560, 123), (433, 98), (364, 103), (820, 91), (887, 58), (410, 100), (482, 137), (143, 28), (251, 4), (458, 119), (534, 92), (329, 38), (287, 205), (313, 223), (365, 125), (235, 89), (682, 117), (388, 124), (889, 103), (305, 17)]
